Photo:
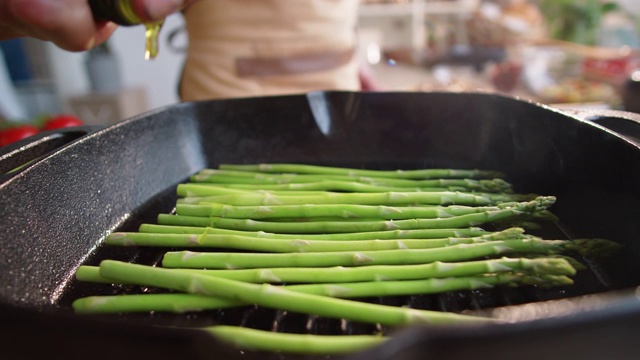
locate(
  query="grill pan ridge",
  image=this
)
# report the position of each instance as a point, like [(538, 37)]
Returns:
[(56, 211)]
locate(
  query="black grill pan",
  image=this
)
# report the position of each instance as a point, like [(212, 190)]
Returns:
[(76, 186)]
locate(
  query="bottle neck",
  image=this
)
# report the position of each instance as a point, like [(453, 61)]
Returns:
[(121, 12)]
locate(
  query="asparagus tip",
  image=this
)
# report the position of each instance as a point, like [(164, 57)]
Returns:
[(594, 247), (553, 266)]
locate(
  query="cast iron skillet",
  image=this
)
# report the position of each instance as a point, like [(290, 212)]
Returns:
[(56, 209)]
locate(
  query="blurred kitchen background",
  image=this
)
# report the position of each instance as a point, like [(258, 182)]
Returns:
[(567, 53)]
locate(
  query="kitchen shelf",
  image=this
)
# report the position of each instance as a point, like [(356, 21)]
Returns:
[(418, 11), (418, 8)]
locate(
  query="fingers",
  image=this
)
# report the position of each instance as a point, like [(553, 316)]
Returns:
[(67, 23)]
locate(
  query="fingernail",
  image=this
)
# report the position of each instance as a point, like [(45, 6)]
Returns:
[(160, 9)]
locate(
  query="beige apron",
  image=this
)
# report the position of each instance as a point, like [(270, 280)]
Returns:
[(241, 48)]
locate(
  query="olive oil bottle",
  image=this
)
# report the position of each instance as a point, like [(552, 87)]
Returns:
[(121, 12)]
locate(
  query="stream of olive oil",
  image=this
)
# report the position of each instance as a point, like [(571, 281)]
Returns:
[(151, 35)]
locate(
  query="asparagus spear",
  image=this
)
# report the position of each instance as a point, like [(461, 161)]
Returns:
[(276, 297), (278, 245), (328, 227), (577, 265), (229, 260), (171, 302), (547, 266), (388, 198), (217, 176), (199, 190), (246, 174), (354, 211), (247, 338), (428, 286), (399, 174), (190, 302), (331, 185), (350, 186), (381, 235)]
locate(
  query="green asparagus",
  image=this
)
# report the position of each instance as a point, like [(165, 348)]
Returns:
[(327, 227), (329, 185), (188, 302), (200, 190), (279, 245), (339, 274), (170, 302), (309, 236), (399, 174), (381, 235), (217, 176), (347, 211), (277, 297), (307, 344), (197, 196), (229, 260)]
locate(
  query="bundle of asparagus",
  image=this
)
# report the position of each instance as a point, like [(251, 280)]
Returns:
[(314, 239)]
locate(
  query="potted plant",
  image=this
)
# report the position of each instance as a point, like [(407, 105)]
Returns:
[(575, 21)]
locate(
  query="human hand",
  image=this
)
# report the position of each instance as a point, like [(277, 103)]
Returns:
[(69, 23)]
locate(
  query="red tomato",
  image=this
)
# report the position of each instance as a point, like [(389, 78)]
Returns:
[(62, 121), (13, 134)]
